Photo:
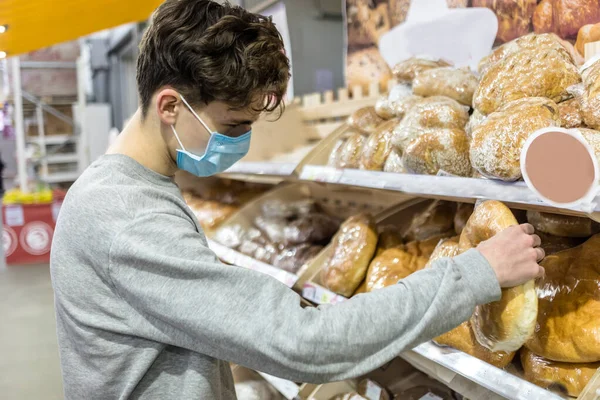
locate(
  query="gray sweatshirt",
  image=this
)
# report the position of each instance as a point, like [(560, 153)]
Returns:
[(145, 310)]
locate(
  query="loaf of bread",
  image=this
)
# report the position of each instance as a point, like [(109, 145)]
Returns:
[(366, 66), (353, 248), (590, 98), (587, 34), (568, 328), (431, 112), (435, 220), (365, 120), (474, 120), (312, 228), (407, 70), (462, 337), (570, 114), (392, 265), (396, 103), (438, 150), (503, 325), (514, 17), (562, 225), (458, 84), (528, 42), (565, 17), (497, 142), (567, 377), (554, 244), (394, 163), (378, 146), (351, 151), (291, 258), (463, 213), (537, 72)]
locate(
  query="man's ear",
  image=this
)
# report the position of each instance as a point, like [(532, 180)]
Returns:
[(168, 105)]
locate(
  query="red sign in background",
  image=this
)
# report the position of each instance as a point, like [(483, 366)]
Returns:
[(27, 232)]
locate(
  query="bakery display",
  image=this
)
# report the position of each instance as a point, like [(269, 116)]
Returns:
[(458, 84), (542, 71), (377, 147), (590, 95), (406, 71), (506, 324), (568, 378), (439, 150), (351, 151), (514, 17), (496, 143), (562, 225), (353, 248), (569, 302)]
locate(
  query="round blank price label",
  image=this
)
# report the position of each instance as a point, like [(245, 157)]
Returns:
[(560, 166)]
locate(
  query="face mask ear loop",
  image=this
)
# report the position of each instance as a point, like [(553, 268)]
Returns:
[(195, 115), (177, 137)]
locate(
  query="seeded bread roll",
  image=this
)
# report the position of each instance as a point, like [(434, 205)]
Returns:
[(406, 71), (458, 84), (352, 151), (378, 146), (439, 150)]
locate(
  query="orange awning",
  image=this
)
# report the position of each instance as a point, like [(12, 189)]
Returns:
[(35, 24)]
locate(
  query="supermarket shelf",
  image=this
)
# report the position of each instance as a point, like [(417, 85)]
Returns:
[(288, 389), (62, 158), (60, 177), (260, 172), (317, 294), (460, 371), (440, 187), (241, 260), (53, 139)]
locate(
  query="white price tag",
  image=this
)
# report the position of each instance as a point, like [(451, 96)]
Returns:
[(14, 216), (319, 295)]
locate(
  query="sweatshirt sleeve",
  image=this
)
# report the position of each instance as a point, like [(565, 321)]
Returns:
[(180, 294)]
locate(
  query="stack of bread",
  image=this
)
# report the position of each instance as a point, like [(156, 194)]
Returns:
[(445, 120), (285, 235)]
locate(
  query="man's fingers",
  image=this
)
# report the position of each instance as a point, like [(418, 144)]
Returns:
[(540, 253), (541, 273), (528, 229), (537, 241)]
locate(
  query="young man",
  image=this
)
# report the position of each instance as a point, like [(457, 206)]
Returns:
[(144, 308)]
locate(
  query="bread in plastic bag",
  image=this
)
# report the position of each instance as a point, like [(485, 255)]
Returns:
[(570, 113), (353, 248), (435, 220), (230, 236), (352, 151), (311, 228), (365, 120), (439, 149), (474, 121), (529, 73), (291, 258), (568, 327), (210, 214), (432, 112), (272, 227), (463, 213), (392, 265), (532, 41), (458, 84), (506, 324), (562, 225), (462, 337), (335, 157), (570, 378), (394, 163), (590, 96), (497, 142), (405, 71), (378, 146), (386, 106)]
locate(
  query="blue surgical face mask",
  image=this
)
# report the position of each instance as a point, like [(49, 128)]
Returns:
[(221, 152)]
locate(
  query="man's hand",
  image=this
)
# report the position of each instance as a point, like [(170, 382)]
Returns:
[(514, 254)]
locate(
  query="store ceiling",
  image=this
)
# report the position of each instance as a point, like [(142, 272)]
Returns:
[(35, 24)]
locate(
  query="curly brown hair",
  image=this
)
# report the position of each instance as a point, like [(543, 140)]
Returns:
[(209, 51)]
